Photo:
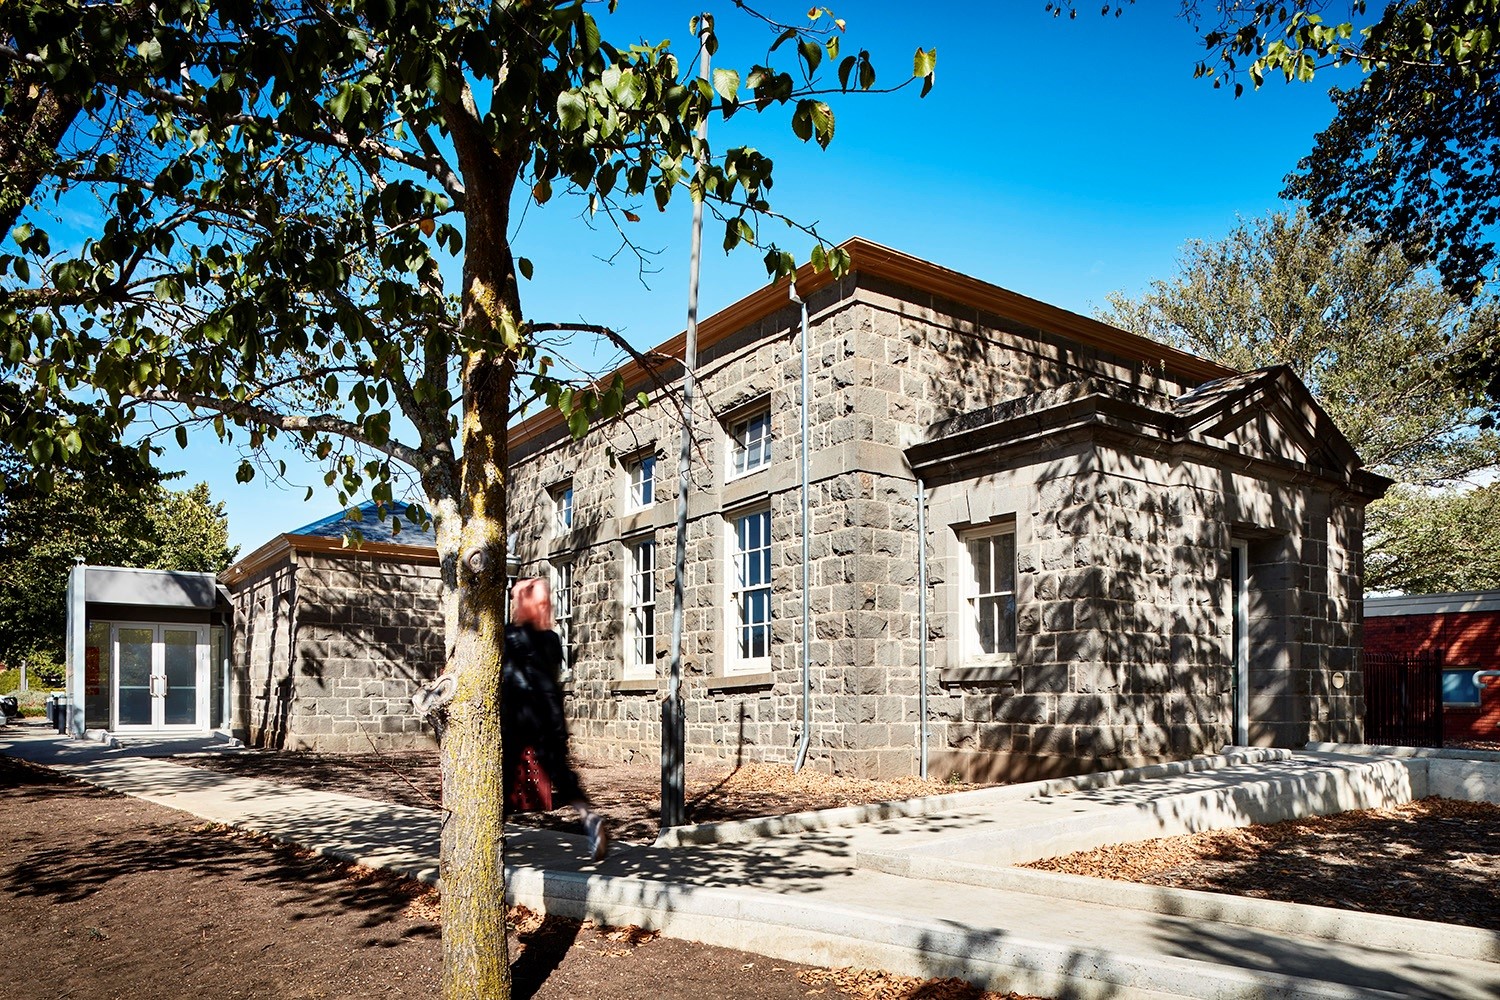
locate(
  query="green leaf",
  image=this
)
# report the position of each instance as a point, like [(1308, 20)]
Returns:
[(342, 102), (181, 436), (727, 84), (802, 126), (822, 119), (524, 265), (811, 53), (572, 110), (924, 62)]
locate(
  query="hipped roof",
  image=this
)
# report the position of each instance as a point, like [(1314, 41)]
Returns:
[(878, 261)]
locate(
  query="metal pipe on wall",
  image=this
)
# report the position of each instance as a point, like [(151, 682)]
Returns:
[(806, 740), (921, 628)]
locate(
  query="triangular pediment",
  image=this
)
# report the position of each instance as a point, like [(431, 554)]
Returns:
[(1267, 414)]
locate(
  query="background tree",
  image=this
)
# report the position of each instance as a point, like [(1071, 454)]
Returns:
[(1437, 541), (280, 181), (1409, 158), (1374, 337), (110, 520)]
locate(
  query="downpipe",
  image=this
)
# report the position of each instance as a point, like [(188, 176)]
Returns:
[(921, 629), (806, 741)]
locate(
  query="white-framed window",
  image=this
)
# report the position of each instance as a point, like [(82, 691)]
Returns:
[(750, 443), (640, 610), (749, 612), (642, 472), (562, 612), (562, 506), (989, 582)]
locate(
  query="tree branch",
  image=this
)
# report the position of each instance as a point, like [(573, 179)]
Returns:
[(320, 423)]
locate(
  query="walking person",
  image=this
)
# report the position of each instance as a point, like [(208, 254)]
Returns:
[(538, 772)]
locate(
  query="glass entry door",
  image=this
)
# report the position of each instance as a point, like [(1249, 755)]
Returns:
[(161, 674)]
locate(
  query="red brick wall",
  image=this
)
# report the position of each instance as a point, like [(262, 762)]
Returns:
[(1470, 638)]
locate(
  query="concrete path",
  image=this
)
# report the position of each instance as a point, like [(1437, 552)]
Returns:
[(924, 889)]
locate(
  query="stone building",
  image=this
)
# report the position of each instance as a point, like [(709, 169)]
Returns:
[(1130, 553), (330, 641)]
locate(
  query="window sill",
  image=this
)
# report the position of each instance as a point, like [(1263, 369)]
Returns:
[(635, 685), (740, 682), (989, 673), (745, 489)]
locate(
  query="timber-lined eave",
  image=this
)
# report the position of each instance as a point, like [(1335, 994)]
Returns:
[(282, 544), (883, 262)]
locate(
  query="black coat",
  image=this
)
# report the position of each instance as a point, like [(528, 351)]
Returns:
[(531, 710)]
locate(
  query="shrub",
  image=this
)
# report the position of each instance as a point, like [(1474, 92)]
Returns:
[(45, 671), (33, 704), (10, 680)]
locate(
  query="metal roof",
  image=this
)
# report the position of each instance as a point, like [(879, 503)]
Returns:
[(1432, 604), (373, 523), (154, 587)]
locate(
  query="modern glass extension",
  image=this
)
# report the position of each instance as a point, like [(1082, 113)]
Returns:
[(147, 652)]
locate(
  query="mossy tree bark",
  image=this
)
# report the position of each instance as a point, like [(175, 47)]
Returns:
[(475, 963)]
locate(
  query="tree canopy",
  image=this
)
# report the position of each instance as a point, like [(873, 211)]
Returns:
[(1375, 338), (1408, 156), (276, 184), (1408, 160), (1436, 541)]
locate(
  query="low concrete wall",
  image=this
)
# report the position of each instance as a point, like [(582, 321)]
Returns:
[(1449, 773)]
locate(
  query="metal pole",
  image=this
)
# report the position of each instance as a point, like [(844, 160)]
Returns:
[(673, 731)]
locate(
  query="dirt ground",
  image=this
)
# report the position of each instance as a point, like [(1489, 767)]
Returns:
[(104, 897), (629, 794)]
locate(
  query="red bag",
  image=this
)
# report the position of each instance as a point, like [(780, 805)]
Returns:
[(530, 788)]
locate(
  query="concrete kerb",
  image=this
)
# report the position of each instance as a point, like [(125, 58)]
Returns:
[(1367, 930), (837, 935), (744, 831), (1369, 780), (1323, 788), (1450, 773), (1419, 753)]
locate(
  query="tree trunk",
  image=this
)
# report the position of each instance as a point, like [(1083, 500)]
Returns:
[(475, 963)]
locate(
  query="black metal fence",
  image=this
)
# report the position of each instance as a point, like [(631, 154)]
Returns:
[(1404, 699)]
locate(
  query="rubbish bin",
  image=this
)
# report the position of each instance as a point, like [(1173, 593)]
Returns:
[(57, 711)]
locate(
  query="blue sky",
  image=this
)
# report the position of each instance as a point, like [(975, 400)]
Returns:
[(1061, 159)]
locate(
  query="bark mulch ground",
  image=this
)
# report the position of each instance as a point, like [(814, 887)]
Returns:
[(1436, 859), (104, 897)]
